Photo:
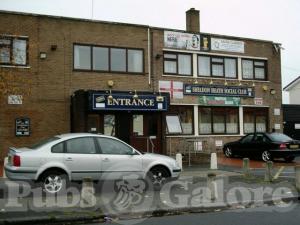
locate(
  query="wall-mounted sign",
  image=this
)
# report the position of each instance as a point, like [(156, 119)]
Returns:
[(297, 126), (219, 143), (218, 90), (205, 43), (276, 112), (22, 127), (125, 101), (175, 88), (226, 45), (219, 101), (180, 40), (15, 99), (258, 101), (277, 126)]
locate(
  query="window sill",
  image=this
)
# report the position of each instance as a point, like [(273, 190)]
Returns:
[(11, 66)]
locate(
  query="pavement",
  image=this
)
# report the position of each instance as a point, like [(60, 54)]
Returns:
[(188, 194)]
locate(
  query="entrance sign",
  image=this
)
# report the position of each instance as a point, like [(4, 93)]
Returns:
[(125, 101), (180, 40), (219, 101), (218, 90)]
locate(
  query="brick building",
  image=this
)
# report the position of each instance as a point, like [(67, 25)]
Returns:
[(143, 84)]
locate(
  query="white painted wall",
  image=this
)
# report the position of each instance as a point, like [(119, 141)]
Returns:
[(294, 94)]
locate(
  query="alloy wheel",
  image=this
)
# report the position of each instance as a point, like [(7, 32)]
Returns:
[(266, 156), (228, 152), (53, 183)]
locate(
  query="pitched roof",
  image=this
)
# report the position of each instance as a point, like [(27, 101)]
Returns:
[(292, 84)]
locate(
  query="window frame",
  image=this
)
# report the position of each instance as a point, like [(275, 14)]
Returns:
[(11, 50), (217, 63), (265, 67), (254, 114), (177, 62), (225, 120), (109, 59)]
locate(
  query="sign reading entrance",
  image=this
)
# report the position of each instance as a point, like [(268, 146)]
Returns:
[(125, 101), (218, 90)]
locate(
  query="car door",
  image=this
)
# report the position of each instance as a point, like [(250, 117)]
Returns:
[(82, 158), (259, 144), (244, 145), (118, 159)]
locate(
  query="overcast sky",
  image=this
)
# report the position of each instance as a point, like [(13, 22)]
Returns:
[(275, 20)]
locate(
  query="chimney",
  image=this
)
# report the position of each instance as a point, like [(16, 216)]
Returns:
[(192, 21)]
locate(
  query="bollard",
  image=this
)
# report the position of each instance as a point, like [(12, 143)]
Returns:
[(212, 193), (5, 162), (87, 197), (213, 161), (179, 160), (246, 167), (297, 178), (268, 173)]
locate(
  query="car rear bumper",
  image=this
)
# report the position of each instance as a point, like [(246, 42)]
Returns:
[(14, 173), (285, 153)]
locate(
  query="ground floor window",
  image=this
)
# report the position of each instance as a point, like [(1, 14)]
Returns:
[(255, 120), (218, 120), (186, 117)]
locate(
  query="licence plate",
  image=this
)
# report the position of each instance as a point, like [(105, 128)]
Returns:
[(294, 146)]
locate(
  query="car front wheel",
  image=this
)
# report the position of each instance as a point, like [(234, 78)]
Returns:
[(158, 177), (228, 152), (266, 156)]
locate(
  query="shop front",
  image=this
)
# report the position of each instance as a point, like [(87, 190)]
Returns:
[(134, 117)]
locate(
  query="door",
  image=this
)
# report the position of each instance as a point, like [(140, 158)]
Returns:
[(82, 159), (118, 160), (146, 132)]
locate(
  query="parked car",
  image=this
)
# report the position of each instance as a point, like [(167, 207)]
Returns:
[(72, 157), (266, 146)]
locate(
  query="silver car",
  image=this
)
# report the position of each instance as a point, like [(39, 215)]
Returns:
[(72, 157)]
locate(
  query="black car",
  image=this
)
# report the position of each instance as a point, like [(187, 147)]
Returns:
[(266, 146)]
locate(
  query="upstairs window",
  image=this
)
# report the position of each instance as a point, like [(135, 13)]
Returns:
[(108, 59), (254, 69), (211, 66), (178, 64), (13, 51)]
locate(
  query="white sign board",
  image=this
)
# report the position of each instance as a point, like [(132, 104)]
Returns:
[(297, 126), (277, 126), (198, 146), (227, 45), (276, 112), (181, 40), (219, 143), (15, 99), (258, 101)]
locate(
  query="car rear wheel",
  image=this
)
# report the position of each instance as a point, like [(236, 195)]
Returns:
[(158, 177), (289, 158), (54, 182), (266, 156), (228, 152)]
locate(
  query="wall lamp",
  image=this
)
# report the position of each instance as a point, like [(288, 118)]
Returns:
[(272, 91), (158, 56), (135, 96), (110, 97)]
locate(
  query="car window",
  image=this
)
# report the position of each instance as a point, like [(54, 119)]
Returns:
[(58, 148), (260, 138), (279, 137), (113, 147), (85, 145), (247, 139)]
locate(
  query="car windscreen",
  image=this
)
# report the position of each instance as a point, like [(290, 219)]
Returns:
[(43, 142), (279, 137)]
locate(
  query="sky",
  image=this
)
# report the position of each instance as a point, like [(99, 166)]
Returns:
[(274, 20)]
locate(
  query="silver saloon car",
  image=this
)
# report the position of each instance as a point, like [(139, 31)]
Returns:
[(71, 157)]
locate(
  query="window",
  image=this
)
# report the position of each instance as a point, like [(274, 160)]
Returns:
[(108, 59), (84, 145), (218, 120), (180, 64), (247, 139), (13, 51), (217, 66), (109, 125), (173, 124), (138, 125), (254, 69), (58, 148), (255, 120), (113, 147), (185, 118)]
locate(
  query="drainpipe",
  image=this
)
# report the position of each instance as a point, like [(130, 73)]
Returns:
[(149, 58)]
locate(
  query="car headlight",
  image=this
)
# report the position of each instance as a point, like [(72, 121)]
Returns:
[(176, 165)]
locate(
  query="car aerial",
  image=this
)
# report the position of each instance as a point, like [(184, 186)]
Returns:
[(266, 146), (72, 157)]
